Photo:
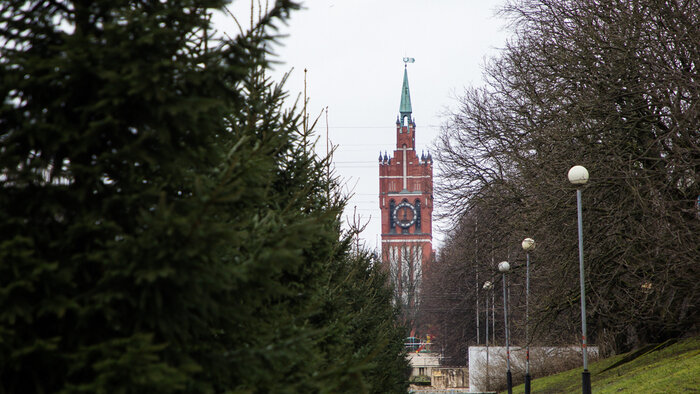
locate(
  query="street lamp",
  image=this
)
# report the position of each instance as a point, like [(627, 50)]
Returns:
[(578, 175), (487, 286), (504, 267), (528, 245)]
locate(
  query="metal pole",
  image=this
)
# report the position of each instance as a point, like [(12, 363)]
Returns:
[(478, 335), (509, 377), (487, 319), (487, 341), (493, 316), (527, 325), (585, 376)]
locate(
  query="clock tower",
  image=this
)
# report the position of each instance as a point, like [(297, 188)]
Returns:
[(406, 203)]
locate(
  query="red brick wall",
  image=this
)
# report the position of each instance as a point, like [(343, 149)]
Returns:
[(418, 186)]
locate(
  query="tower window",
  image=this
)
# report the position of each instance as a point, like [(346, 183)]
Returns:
[(417, 206), (392, 225)]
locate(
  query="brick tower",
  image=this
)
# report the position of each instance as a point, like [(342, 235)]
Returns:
[(406, 203)]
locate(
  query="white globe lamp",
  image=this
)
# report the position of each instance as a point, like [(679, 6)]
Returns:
[(578, 175), (528, 244)]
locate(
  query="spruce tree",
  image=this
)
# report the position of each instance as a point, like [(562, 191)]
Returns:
[(111, 278), (164, 223)]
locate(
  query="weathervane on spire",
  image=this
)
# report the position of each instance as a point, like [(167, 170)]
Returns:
[(407, 60)]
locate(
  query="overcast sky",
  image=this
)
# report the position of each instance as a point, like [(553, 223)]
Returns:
[(353, 51)]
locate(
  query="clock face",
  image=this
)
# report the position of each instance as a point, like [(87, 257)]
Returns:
[(404, 215)]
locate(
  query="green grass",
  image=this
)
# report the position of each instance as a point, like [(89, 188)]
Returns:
[(673, 368)]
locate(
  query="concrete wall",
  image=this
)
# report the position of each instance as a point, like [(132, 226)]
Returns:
[(496, 366)]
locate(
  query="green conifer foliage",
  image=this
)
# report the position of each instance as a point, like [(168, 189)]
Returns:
[(164, 224)]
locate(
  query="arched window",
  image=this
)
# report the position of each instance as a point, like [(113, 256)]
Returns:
[(417, 206), (392, 225)]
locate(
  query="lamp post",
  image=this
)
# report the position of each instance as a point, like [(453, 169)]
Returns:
[(578, 175), (528, 245), (487, 286), (504, 267)]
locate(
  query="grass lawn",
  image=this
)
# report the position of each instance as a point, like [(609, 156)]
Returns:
[(667, 368)]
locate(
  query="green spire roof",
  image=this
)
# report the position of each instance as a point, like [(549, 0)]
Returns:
[(405, 107)]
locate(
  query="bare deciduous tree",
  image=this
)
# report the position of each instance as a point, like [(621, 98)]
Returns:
[(611, 85)]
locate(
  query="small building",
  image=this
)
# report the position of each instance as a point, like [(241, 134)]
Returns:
[(449, 377), (422, 364)]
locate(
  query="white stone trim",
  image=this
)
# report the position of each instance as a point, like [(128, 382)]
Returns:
[(405, 181), (401, 176), (407, 240), (406, 194)]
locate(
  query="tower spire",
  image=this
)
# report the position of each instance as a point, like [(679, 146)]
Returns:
[(405, 106)]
